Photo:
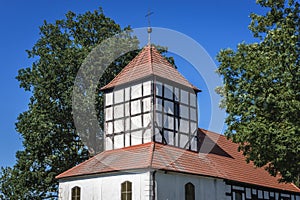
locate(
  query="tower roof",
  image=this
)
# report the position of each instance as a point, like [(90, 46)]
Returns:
[(149, 62)]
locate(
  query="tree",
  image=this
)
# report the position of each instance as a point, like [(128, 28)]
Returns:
[(261, 91), (50, 139)]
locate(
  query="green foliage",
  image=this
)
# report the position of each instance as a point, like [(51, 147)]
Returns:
[(50, 140), (261, 91)]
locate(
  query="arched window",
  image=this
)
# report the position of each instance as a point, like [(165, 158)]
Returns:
[(126, 190), (76, 193), (189, 191)]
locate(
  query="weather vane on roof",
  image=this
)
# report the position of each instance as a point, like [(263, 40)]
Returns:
[(149, 30)]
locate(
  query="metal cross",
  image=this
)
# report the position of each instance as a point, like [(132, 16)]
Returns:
[(149, 30)]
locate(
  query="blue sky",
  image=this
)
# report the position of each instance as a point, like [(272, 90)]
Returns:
[(215, 24)]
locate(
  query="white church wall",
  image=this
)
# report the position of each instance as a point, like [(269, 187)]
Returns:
[(171, 186), (108, 187)]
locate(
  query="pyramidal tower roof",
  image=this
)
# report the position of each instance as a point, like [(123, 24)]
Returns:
[(149, 62)]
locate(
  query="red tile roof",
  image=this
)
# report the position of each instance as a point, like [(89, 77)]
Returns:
[(148, 62), (218, 158)]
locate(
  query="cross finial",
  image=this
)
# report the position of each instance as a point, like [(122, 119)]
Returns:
[(149, 30)]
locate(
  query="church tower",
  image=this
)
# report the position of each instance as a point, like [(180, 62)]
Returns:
[(151, 146), (150, 101)]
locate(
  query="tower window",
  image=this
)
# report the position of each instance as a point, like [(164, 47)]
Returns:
[(189, 191), (126, 190), (76, 193)]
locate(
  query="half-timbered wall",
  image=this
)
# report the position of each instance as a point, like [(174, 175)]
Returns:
[(175, 115), (128, 116), (237, 192)]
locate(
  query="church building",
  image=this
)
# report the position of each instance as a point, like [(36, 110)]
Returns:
[(154, 149)]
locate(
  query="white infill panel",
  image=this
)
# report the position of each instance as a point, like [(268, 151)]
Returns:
[(147, 88), (108, 99), (146, 104), (136, 122), (119, 96), (108, 114), (118, 125), (136, 137), (108, 143), (169, 107), (119, 141), (168, 93), (135, 107), (136, 91), (184, 97), (158, 89), (119, 111)]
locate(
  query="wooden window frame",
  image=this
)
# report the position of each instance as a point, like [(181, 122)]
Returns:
[(75, 193), (126, 190), (189, 191)]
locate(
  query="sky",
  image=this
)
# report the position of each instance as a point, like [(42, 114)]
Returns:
[(214, 24)]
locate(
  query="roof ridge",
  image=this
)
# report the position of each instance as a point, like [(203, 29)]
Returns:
[(151, 59)]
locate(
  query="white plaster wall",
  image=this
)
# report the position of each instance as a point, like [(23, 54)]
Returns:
[(168, 186), (171, 186), (108, 187)]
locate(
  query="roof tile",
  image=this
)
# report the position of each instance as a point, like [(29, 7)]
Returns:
[(221, 161), (148, 62)]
